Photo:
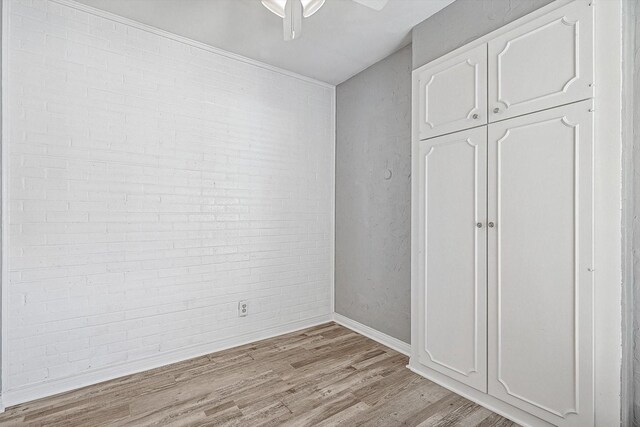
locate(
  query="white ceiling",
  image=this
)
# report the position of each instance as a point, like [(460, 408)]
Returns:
[(340, 40)]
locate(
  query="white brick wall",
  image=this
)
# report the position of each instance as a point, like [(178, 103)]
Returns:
[(152, 185)]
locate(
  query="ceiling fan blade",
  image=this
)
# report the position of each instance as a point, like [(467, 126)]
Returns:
[(311, 6), (275, 6), (373, 4), (292, 22)]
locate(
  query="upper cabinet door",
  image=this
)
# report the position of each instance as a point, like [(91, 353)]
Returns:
[(543, 64), (453, 94), (452, 256)]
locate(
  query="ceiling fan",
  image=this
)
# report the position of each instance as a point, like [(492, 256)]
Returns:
[(292, 12)]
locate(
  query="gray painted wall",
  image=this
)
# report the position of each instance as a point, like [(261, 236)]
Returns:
[(634, 292), (630, 211), (373, 136), (373, 196), (463, 21)]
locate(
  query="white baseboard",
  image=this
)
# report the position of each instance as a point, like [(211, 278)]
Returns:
[(49, 388), (382, 338)]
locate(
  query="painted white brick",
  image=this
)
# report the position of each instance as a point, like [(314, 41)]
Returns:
[(152, 185)]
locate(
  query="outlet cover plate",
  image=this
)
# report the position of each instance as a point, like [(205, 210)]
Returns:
[(243, 308)]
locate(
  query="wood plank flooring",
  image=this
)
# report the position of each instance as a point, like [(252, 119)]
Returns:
[(323, 376)]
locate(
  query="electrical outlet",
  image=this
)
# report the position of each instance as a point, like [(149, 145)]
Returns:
[(243, 309)]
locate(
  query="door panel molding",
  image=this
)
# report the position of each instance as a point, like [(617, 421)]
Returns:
[(443, 111), (565, 87), (475, 69), (562, 73), (472, 369), (448, 193), (563, 120), (531, 386)]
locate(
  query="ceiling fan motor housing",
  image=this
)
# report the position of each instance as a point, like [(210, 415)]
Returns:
[(292, 12)]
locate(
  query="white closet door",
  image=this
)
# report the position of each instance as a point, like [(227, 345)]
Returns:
[(452, 268), (543, 64), (453, 94), (540, 263)]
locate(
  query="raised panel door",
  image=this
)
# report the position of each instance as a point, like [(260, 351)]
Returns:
[(453, 94), (543, 64), (540, 269), (452, 256)]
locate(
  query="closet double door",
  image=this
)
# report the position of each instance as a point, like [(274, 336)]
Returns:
[(540, 64), (506, 260)]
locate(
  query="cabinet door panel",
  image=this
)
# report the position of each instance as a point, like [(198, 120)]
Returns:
[(543, 64), (540, 263), (453, 256), (453, 94)]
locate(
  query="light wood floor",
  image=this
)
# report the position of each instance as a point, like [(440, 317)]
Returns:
[(322, 376)]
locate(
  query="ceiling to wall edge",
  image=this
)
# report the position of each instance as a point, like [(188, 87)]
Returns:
[(185, 40), (404, 45)]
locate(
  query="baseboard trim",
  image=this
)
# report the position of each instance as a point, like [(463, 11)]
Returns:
[(50, 388), (382, 338)]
